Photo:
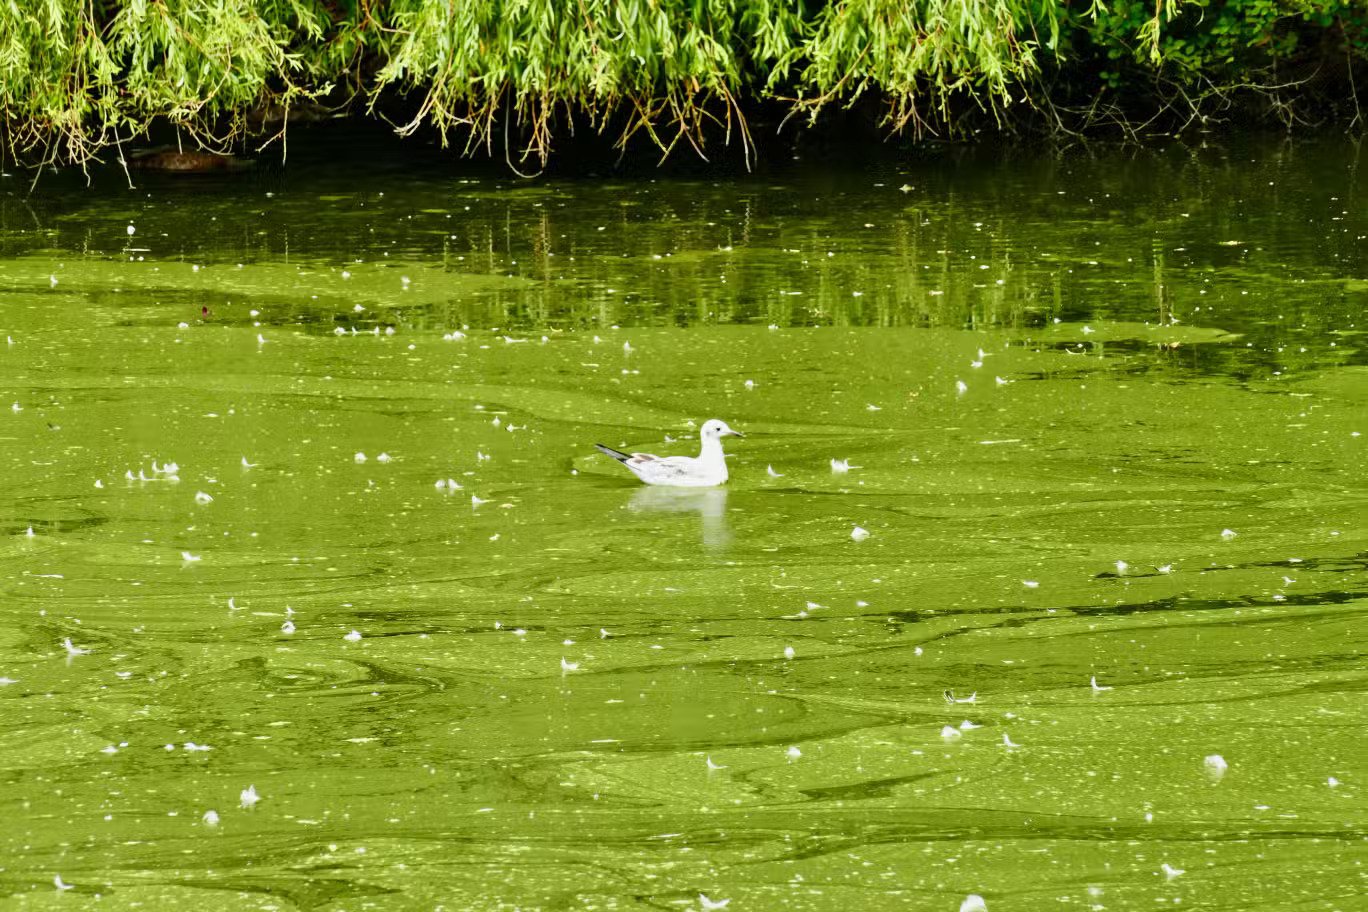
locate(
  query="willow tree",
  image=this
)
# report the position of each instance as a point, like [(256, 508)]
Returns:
[(81, 77)]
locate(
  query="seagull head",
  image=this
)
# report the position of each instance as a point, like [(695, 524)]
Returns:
[(715, 429)]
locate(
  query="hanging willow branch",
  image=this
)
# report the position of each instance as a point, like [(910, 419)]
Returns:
[(80, 76)]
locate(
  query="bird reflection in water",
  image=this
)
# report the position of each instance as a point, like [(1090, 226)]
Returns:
[(709, 503)]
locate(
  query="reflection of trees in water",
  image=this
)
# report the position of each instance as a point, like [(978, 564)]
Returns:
[(978, 243), (1256, 238)]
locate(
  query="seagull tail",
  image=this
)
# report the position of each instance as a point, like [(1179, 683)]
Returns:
[(616, 454)]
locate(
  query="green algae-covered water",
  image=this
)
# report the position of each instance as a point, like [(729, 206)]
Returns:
[(316, 595)]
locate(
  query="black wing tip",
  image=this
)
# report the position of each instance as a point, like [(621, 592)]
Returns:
[(616, 454)]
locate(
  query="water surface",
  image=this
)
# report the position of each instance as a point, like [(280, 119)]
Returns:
[(1103, 416)]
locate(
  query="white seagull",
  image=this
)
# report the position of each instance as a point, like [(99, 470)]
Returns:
[(706, 470)]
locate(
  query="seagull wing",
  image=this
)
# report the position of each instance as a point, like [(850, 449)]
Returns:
[(616, 454), (639, 463), (631, 460), (663, 469)]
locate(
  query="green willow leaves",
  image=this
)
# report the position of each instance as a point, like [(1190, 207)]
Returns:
[(80, 76)]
